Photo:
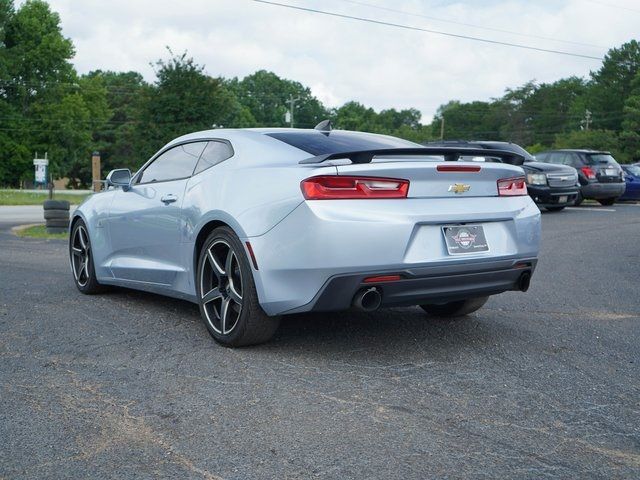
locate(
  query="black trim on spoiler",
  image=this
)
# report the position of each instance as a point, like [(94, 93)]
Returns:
[(451, 154)]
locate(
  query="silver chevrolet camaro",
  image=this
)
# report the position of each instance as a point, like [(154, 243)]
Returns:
[(252, 224)]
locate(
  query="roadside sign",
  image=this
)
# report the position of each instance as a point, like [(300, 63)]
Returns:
[(41, 165)]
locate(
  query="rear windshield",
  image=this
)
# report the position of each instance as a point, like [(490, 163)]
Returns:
[(317, 143), (633, 170), (600, 158)]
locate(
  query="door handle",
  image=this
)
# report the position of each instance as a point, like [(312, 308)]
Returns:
[(169, 198)]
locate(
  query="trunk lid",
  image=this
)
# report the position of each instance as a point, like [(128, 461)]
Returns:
[(438, 179)]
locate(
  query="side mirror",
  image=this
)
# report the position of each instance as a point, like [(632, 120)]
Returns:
[(120, 177)]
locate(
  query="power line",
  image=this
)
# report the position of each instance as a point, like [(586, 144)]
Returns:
[(611, 5), (454, 22), (427, 30)]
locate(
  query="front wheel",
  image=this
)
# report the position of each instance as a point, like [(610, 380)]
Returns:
[(607, 201), (81, 256), (579, 199), (455, 309), (227, 293)]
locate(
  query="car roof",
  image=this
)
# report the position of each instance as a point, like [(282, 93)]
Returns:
[(578, 150), (232, 134)]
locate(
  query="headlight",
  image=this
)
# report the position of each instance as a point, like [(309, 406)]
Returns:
[(536, 179)]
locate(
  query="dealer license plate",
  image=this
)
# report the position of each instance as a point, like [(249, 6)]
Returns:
[(463, 239)]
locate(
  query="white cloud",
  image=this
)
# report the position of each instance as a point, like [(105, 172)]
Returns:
[(342, 59)]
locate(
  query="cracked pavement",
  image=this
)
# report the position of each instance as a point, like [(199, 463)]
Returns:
[(538, 385)]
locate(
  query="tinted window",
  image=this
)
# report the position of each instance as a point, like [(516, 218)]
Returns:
[(600, 158), (551, 158), (177, 162), (317, 143), (214, 153), (566, 159), (557, 157)]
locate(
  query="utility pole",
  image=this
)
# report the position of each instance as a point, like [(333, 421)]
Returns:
[(587, 119), (442, 128), (292, 104)]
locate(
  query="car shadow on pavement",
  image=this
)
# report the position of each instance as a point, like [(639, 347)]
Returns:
[(397, 332)]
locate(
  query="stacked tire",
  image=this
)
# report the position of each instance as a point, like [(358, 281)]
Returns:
[(56, 216)]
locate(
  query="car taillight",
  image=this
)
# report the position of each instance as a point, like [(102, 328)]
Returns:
[(588, 172), (509, 187), (334, 187)]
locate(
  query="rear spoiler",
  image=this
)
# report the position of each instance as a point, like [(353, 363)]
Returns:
[(451, 154)]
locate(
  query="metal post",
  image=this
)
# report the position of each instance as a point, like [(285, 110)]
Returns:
[(292, 104), (95, 171)]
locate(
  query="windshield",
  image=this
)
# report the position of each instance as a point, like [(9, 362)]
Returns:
[(318, 143), (600, 158)]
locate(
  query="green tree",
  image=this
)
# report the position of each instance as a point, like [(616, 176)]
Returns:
[(611, 85), (630, 135), (37, 75), (592, 139), (400, 123), (117, 139), (37, 54), (184, 99), (469, 121), (266, 96), (66, 129), (553, 108)]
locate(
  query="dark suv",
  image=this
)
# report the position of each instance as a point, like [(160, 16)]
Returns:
[(601, 178), (550, 186)]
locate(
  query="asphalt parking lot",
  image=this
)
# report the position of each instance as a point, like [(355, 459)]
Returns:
[(130, 385)]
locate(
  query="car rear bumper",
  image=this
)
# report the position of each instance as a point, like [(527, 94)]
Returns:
[(323, 240), (546, 196), (444, 283), (602, 190)]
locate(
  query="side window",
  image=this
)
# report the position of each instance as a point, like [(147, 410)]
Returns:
[(542, 157), (553, 158), (214, 153), (574, 161), (177, 162)]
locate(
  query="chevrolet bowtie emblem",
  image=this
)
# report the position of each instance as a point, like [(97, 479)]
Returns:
[(459, 188)]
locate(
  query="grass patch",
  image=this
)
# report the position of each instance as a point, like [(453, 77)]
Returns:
[(40, 231), (18, 197)]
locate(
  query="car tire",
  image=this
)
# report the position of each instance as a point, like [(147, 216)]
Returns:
[(56, 215), (81, 257), (607, 201), (58, 223), (555, 209), (455, 309), (56, 205), (579, 199), (227, 294)]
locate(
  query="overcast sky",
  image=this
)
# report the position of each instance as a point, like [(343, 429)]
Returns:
[(342, 59)]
